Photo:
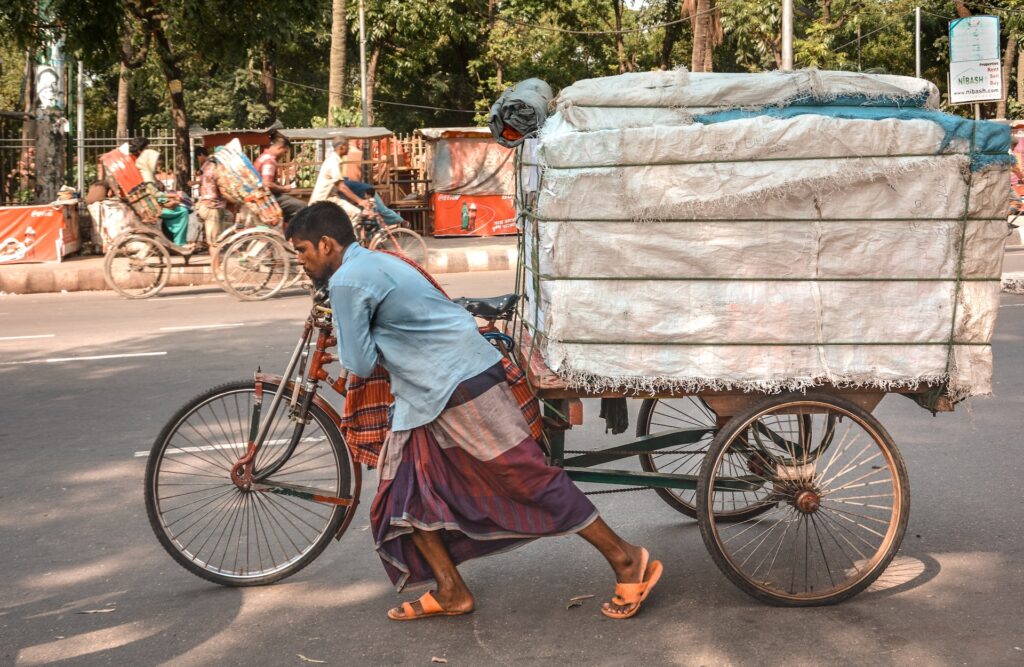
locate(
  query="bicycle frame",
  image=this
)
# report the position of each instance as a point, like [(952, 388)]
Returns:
[(300, 382)]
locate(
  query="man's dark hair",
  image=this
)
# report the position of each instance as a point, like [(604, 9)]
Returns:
[(278, 139), (137, 145), (201, 150), (321, 219)]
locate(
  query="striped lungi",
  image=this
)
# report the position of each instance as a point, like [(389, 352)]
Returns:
[(474, 474)]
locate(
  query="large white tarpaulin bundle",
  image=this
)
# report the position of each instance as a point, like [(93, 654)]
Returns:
[(764, 232)]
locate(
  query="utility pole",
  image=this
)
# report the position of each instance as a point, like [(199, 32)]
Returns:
[(787, 35), (362, 62), (917, 42), (362, 86), (80, 152)]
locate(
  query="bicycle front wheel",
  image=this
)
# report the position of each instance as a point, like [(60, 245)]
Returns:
[(228, 535), (137, 266), (402, 241), (256, 267)]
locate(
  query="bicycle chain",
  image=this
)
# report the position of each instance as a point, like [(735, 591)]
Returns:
[(626, 490), (633, 451)]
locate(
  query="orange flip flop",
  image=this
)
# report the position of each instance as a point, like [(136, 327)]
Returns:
[(429, 606), (635, 594)]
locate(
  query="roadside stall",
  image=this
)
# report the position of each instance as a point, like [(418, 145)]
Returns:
[(472, 182), (44, 233)]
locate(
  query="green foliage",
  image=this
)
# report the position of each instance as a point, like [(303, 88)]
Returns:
[(752, 33), (12, 72), (457, 55)]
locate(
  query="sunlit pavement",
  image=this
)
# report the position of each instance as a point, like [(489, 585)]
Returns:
[(88, 380)]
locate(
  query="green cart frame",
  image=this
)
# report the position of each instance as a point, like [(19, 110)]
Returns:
[(802, 498)]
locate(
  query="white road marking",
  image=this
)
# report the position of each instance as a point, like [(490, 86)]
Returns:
[(57, 360), (203, 326), (27, 337), (1005, 305)]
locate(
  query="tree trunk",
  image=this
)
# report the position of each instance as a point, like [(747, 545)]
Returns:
[(339, 34), (122, 102), (28, 124), (371, 83), (50, 152), (1011, 48), (172, 73), (1020, 75), (961, 9), (620, 45), (701, 28), (268, 80), (672, 32)]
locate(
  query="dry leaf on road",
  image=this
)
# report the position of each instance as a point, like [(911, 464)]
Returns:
[(577, 601), (440, 661), (305, 659)]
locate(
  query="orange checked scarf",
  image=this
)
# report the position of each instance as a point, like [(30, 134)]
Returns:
[(364, 418)]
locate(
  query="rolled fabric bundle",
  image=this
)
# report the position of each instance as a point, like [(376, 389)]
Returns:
[(266, 207), (519, 112), (235, 175)]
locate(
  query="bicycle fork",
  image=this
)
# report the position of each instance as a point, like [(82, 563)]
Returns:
[(242, 470)]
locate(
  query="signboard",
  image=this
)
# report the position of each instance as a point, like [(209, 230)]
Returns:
[(36, 234), (473, 215), (975, 74)]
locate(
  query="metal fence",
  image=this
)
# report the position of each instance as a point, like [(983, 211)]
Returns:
[(17, 163), (96, 144), (17, 157)]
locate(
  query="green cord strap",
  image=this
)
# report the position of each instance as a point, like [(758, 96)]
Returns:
[(960, 259), (672, 163), (765, 344), (533, 216), (701, 279)]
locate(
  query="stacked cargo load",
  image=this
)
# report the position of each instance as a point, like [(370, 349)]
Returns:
[(240, 183), (763, 232)]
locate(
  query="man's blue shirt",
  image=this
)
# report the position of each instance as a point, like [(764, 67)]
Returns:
[(387, 313)]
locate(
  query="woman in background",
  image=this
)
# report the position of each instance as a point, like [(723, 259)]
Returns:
[(174, 216)]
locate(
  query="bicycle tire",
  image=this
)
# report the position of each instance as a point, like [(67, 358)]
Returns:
[(849, 550), (130, 259), (402, 241), (685, 412), (176, 458), (256, 267)]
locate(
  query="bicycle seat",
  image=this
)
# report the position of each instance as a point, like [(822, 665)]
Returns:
[(492, 308)]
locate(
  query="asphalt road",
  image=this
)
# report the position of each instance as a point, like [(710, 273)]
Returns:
[(1014, 260), (84, 582)]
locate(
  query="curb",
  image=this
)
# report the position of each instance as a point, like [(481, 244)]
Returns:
[(46, 278), (1013, 283)]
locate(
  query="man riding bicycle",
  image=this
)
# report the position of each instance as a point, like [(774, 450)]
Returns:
[(266, 165)]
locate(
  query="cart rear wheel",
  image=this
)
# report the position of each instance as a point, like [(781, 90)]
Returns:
[(841, 496), (256, 267), (658, 415), (137, 266)]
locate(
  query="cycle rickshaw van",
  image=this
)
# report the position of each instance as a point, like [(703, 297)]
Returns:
[(758, 258)]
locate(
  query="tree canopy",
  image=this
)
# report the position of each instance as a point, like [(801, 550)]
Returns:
[(442, 62)]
